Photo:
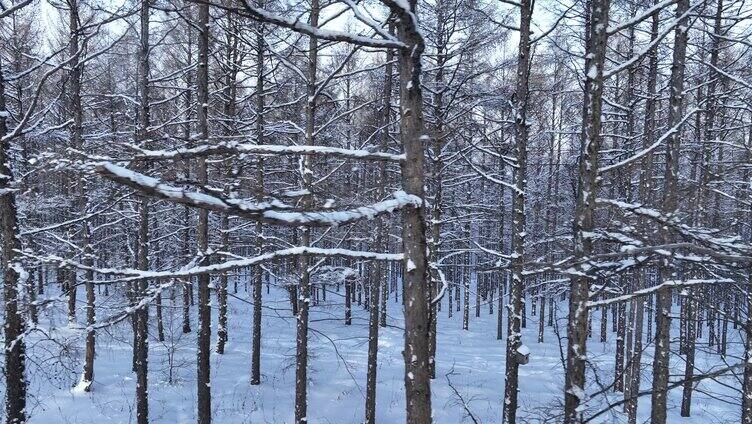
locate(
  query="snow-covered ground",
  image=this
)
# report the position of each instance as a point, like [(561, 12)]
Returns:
[(472, 360)]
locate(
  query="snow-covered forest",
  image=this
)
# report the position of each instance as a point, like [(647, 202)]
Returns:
[(376, 211)]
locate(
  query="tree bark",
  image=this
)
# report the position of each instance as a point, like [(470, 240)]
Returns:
[(257, 269), (514, 341), (415, 276), (577, 328), (669, 206), (14, 328), (202, 230)]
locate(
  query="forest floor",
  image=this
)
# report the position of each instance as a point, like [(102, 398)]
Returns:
[(470, 370)]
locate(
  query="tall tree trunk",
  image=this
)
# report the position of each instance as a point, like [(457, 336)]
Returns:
[(142, 313), (301, 357), (202, 230), (257, 269), (187, 286), (415, 276), (577, 328), (514, 341), (669, 205), (438, 145), (381, 244), (13, 273), (76, 134)]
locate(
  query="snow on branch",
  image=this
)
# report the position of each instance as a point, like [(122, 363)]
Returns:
[(193, 269), (731, 249), (233, 147), (272, 212), (656, 8), (652, 147), (649, 290), (297, 25)]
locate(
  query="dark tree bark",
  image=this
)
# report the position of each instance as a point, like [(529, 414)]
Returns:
[(257, 269), (14, 328), (141, 338), (516, 312), (415, 277), (202, 230), (577, 328), (304, 288), (669, 205)]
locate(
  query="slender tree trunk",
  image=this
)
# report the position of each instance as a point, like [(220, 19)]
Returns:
[(187, 286), (669, 205), (378, 273), (415, 276), (619, 355), (257, 270), (514, 341), (13, 274), (301, 360), (577, 329), (438, 145), (634, 381), (689, 367), (76, 133), (202, 230), (142, 313)]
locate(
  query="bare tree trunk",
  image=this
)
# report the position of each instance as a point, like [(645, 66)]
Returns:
[(577, 328), (230, 88), (202, 230), (301, 359), (438, 144), (258, 270), (669, 205), (542, 318), (415, 276), (142, 313), (619, 359), (689, 367), (15, 345), (187, 286), (76, 133), (634, 373), (514, 341), (378, 273)]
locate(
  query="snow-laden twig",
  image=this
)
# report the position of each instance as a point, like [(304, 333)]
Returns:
[(234, 147), (649, 290), (272, 212), (130, 274)]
